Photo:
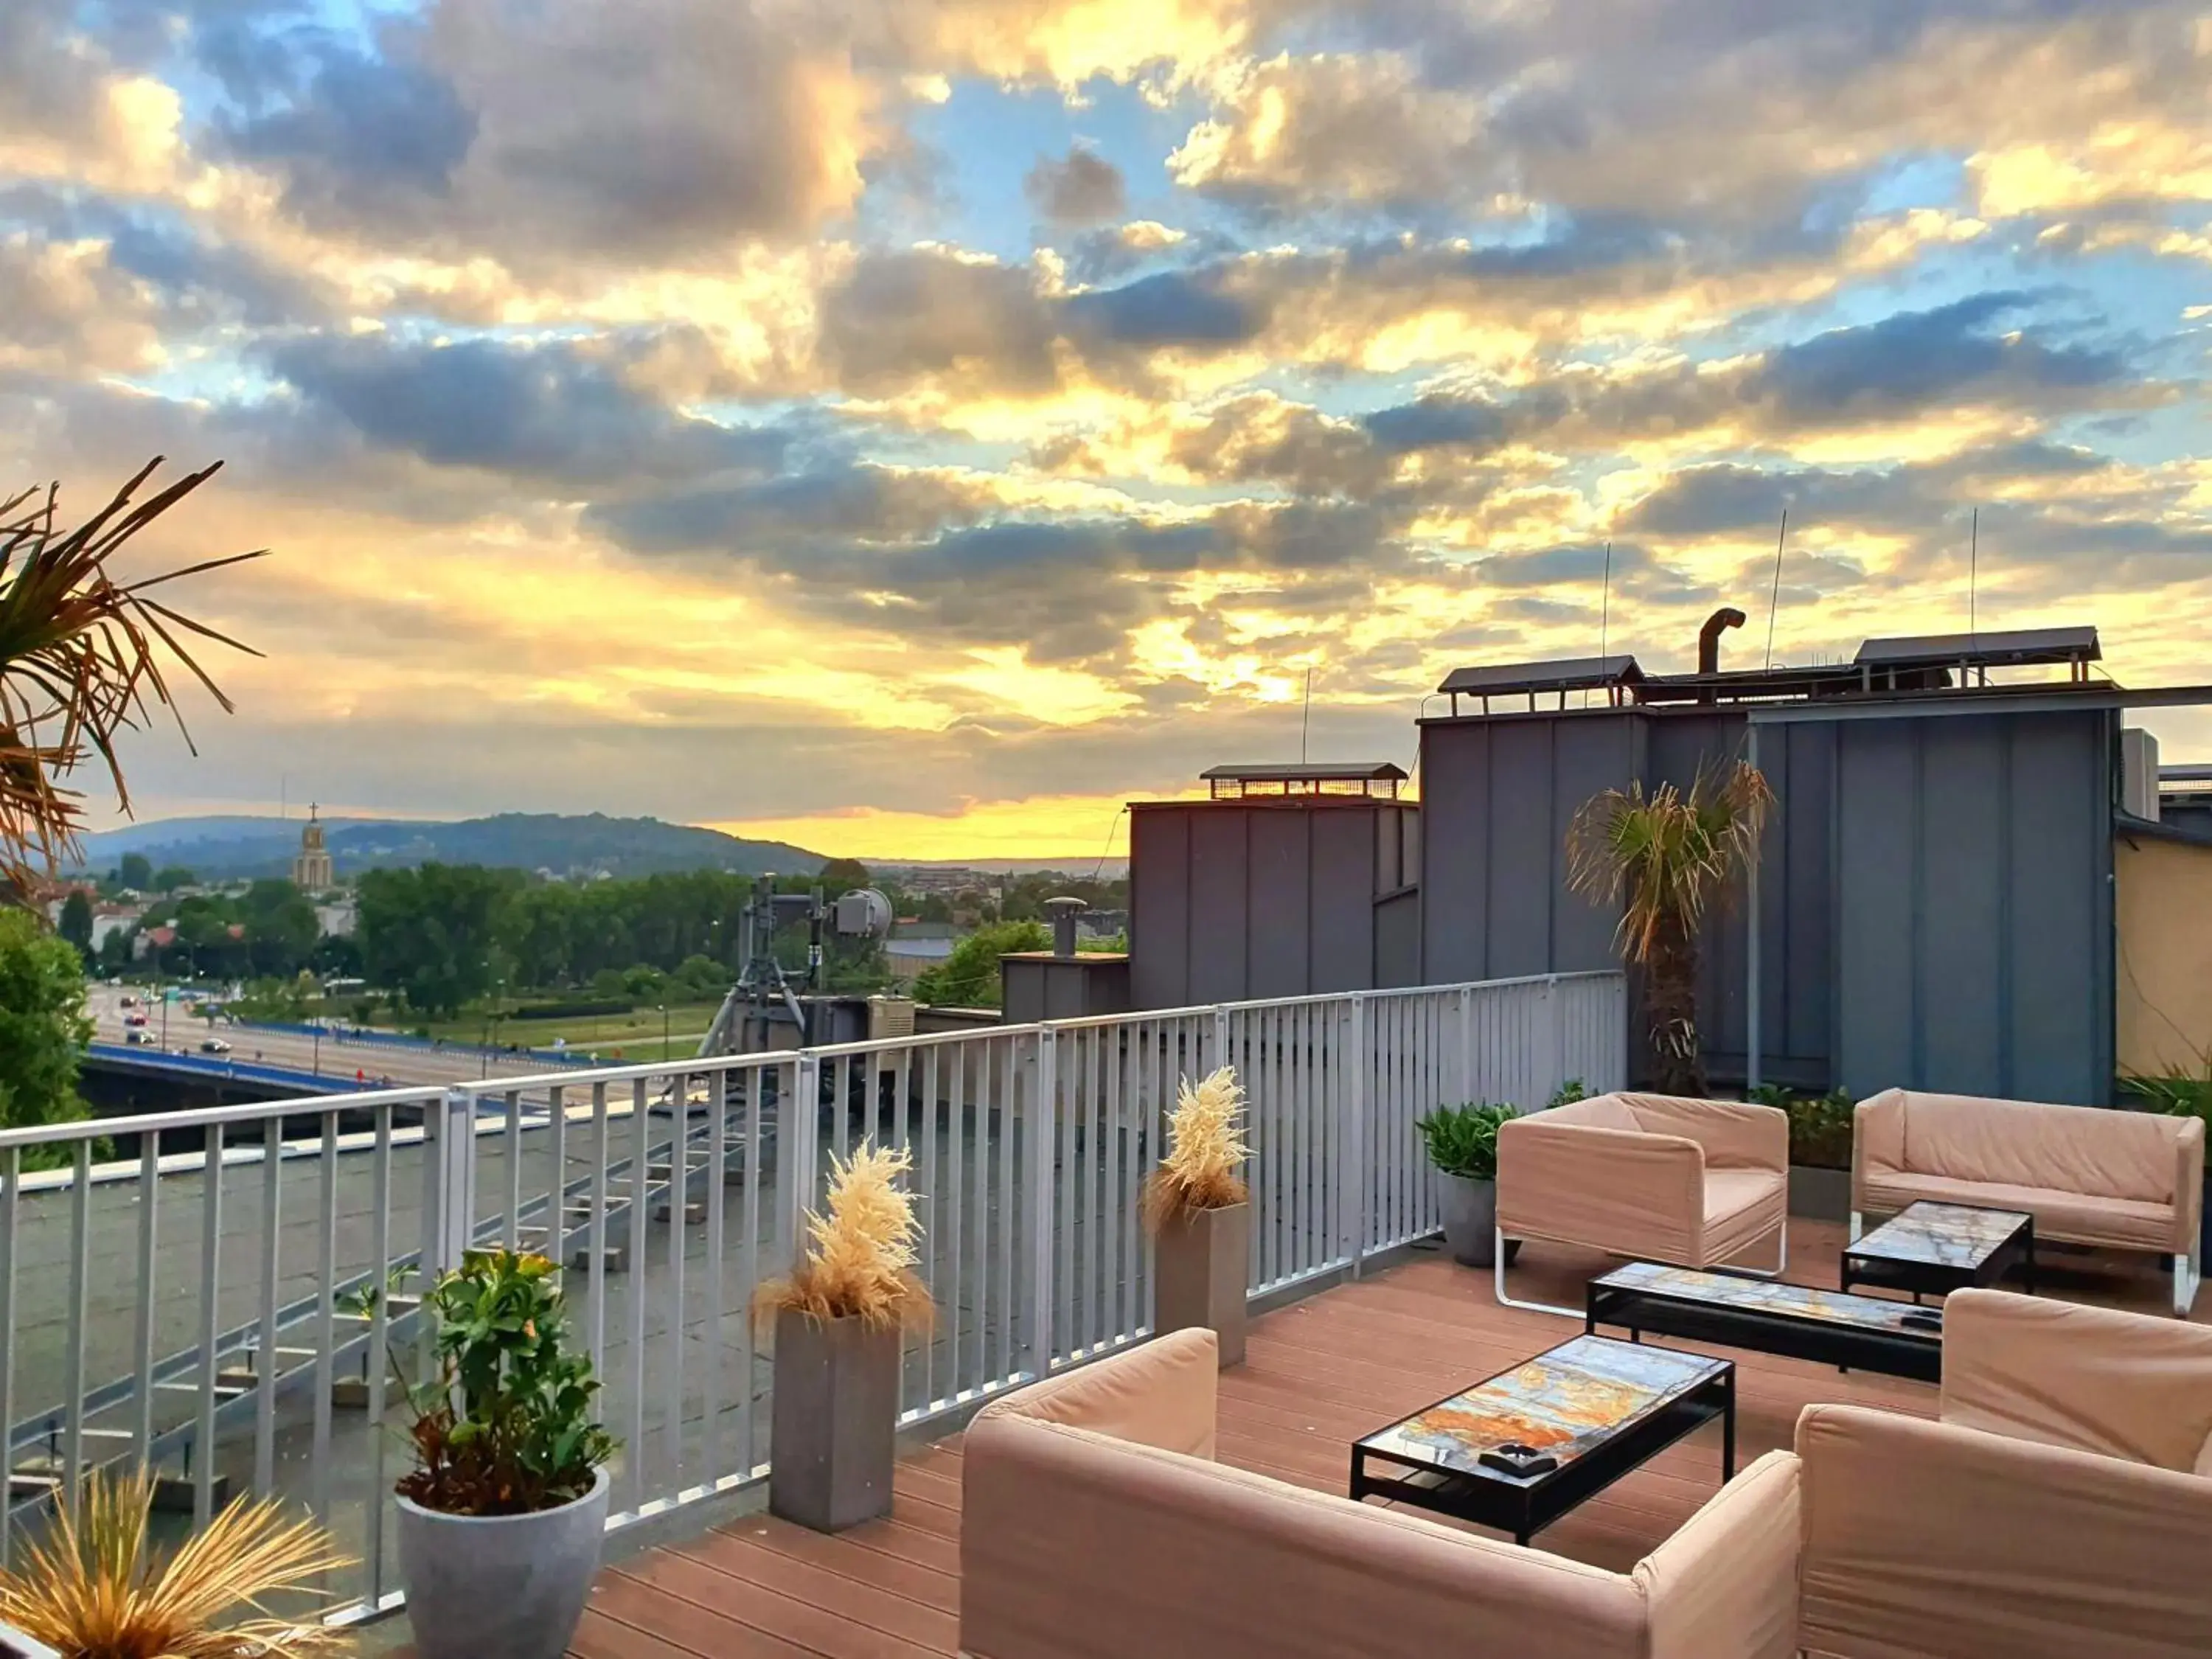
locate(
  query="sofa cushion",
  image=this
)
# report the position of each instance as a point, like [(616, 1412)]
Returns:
[(1597, 1112), (2069, 1149), (1741, 1206), (2077, 1217), (1160, 1393)]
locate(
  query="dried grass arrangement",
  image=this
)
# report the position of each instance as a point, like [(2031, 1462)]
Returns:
[(92, 1590), (859, 1257), (1206, 1149)]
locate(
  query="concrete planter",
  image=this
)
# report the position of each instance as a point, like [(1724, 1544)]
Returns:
[(834, 1428), (1201, 1270), (1470, 1212), (500, 1586), (13, 1644), (1819, 1194)]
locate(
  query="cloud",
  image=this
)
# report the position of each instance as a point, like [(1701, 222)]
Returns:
[(902, 318), (1081, 189), (545, 410)]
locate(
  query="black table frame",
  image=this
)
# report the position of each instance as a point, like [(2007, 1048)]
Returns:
[(1526, 1507), (1934, 1278), (1916, 1355)]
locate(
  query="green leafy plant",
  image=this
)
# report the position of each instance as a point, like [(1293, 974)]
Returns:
[(1820, 1125), (504, 1424), (1573, 1090), (1663, 858), (2177, 1093), (1462, 1140)]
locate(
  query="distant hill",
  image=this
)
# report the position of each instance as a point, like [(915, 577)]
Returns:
[(229, 847)]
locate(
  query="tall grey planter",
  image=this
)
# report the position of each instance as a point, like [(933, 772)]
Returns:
[(1201, 1273), (500, 1586), (1470, 1213), (834, 1426)]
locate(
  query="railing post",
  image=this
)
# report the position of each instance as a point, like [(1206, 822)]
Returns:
[(1041, 1112), (1352, 1164), (1467, 1043), (449, 1181), (798, 1138), (1221, 1056), (1555, 1006)]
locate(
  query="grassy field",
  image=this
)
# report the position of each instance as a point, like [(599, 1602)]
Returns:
[(636, 1033)]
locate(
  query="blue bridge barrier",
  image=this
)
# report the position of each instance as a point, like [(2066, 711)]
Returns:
[(221, 1066)]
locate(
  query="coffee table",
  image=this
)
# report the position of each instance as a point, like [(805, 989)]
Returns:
[(1597, 1406), (1859, 1333), (1932, 1249)]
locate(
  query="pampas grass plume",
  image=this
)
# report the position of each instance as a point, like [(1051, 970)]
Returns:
[(1206, 1147), (859, 1256)]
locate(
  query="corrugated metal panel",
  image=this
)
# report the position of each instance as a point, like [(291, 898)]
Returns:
[(1398, 941), (1973, 906), (1343, 899), (1277, 878), (1159, 908), (1219, 911), (1456, 852)]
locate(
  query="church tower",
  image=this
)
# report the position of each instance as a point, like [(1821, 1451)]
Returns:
[(310, 871)]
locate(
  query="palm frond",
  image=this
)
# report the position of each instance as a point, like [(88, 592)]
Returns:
[(80, 659), (1665, 855)]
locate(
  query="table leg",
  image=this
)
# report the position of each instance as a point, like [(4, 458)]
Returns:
[(2031, 1255), (1728, 1428)]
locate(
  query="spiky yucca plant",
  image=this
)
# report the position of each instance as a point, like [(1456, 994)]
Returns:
[(1206, 1149), (80, 659), (93, 1590), (859, 1257), (1663, 857)]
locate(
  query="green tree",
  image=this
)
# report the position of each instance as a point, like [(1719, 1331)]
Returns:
[(171, 877), (842, 875), (76, 925), (281, 929), (1663, 858), (43, 1027), (135, 871), (433, 932), (968, 978)]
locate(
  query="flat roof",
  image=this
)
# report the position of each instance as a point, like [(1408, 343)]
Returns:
[(2016, 648), (1303, 772), (1565, 674), (2196, 773)]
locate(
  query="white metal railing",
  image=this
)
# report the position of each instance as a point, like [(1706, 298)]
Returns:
[(191, 1302)]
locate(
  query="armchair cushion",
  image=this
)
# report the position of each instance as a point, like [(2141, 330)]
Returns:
[(2119, 1384)]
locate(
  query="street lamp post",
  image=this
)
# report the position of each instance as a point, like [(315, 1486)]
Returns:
[(663, 1007)]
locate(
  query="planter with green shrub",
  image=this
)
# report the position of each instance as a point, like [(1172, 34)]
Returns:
[(2182, 1094), (501, 1519), (1462, 1144)]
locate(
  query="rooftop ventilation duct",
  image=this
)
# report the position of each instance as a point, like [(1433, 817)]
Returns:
[(1708, 637)]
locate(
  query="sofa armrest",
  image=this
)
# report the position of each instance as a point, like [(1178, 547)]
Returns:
[(1877, 1140), (1619, 1190), (2009, 1549), (1073, 1546), (1725, 1586), (2189, 1185), (1734, 1134), (1162, 1393), (2100, 1380)]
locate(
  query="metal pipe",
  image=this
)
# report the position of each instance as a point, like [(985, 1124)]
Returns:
[(1708, 637)]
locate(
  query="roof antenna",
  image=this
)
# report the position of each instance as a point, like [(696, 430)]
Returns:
[(1604, 615), (1774, 599), (1305, 722)]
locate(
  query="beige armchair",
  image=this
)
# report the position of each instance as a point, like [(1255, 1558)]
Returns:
[(2059, 1508), (2122, 1180), (1095, 1525), (1693, 1183)]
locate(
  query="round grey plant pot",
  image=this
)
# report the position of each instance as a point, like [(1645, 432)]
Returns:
[(1470, 1213), (500, 1586)]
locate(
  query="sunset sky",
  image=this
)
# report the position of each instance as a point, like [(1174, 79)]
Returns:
[(916, 428)]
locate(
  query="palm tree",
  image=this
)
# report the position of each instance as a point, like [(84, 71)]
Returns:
[(1662, 857), (80, 660)]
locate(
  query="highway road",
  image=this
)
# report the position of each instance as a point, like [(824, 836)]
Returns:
[(392, 1064)]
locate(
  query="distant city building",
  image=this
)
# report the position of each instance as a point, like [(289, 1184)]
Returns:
[(337, 920), (310, 871)]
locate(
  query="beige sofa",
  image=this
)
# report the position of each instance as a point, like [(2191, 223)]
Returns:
[(1095, 1525), (2060, 1508), (2130, 1180), (1657, 1177)]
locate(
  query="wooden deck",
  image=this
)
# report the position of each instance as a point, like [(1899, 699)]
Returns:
[(1319, 1374)]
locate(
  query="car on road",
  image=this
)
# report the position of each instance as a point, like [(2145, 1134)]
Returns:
[(213, 1046), (139, 1039), (127, 1001), (134, 1020)]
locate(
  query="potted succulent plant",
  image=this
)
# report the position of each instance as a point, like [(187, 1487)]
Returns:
[(501, 1519), (92, 1587), (1462, 1144), (1194, 1206), (833, 1424)]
